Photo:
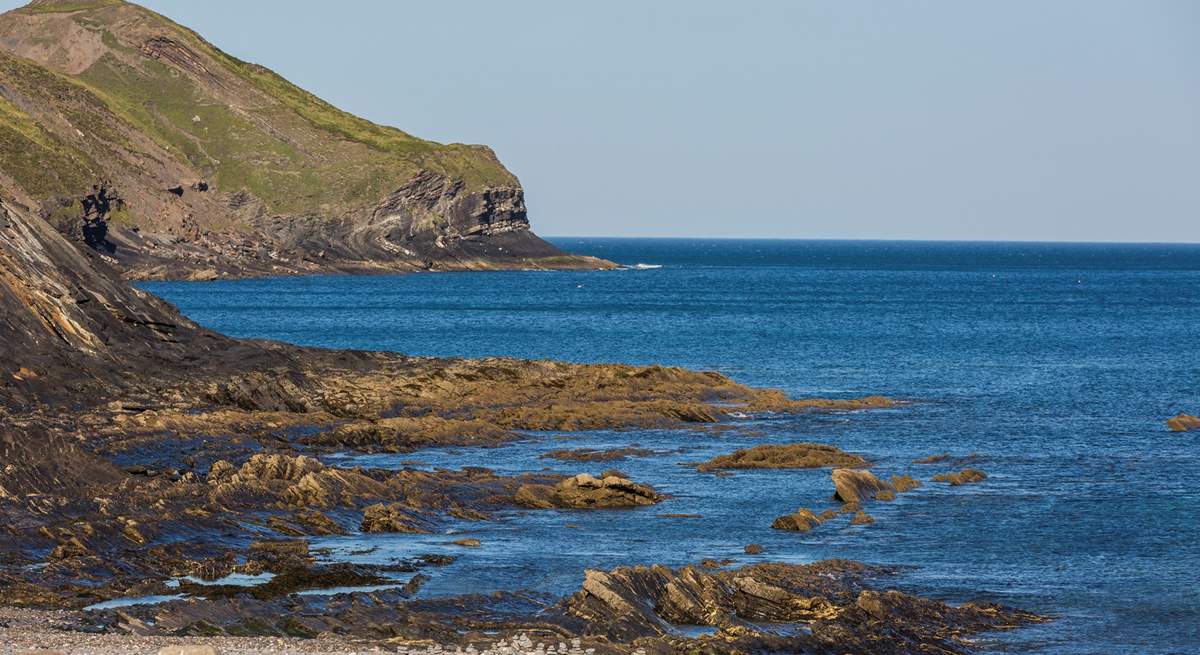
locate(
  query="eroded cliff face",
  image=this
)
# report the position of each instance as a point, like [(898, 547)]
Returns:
[(226, 168), (61, 311)]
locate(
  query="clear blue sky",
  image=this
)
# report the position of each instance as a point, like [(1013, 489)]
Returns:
[(1066, 120)]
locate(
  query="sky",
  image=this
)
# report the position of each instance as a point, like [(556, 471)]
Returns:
[(1072, 120)]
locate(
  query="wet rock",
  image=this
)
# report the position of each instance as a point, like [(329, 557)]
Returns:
[(773, 456), (587, 491), (402, 434), (291, 552), (965, 476), (467, 543), (853, 486), (391, 518), (753, 549), (1184, 423), (592, 455), (862, 518), (932, 459), (831, 599), (902, 483), (306, 522), (802, 520), (777, 401)]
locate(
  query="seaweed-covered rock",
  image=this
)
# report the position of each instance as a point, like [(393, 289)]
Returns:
[(965, 476), (587, 491), (784, 456), (392, 517), (851, 486), (802, 520), (1184, 423)]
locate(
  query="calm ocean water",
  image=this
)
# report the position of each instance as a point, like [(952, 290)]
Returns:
[(1056, 363)]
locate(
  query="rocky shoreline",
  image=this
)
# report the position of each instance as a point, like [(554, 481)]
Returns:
[(147, 457)]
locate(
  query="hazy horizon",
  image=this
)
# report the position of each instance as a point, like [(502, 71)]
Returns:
[(1069, 122)]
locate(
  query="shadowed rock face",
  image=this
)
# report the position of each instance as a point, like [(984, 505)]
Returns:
[(224, 168)]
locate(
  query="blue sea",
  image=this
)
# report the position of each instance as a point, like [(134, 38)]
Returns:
[(1055, 365)]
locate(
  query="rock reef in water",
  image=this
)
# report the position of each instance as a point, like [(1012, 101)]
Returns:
[(593, 455), (1184, 423), (965, 476), (851, 486), (802, 520), (783, 456), (585, 491)]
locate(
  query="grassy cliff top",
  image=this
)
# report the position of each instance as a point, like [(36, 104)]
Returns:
[(108, 88)]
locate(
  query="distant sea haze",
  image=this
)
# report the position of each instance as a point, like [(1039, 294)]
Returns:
[(1054, 365)]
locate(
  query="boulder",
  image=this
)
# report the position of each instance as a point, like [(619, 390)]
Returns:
[(852, 486), (802, 520)]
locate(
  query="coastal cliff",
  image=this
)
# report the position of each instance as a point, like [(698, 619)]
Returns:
[(217, 167)]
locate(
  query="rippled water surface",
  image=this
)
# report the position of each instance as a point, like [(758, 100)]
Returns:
[(1056, 364)]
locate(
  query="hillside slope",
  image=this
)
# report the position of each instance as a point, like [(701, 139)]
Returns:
[(216, 166)]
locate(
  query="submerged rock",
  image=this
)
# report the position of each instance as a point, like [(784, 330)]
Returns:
[(587, 491), (593, 455), (1184, 423), (776, 456), (965, 476), (862, 518), (902, 483)]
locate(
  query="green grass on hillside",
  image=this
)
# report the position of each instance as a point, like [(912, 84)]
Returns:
[(67, 6), (294, 151)]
